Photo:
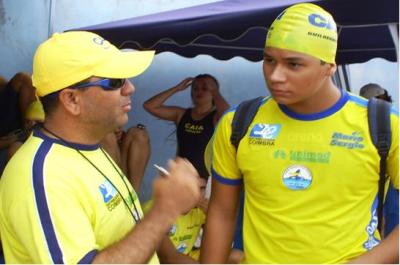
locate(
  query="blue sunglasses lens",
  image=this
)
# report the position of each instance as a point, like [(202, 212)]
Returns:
[(106, 83), (116, 83)]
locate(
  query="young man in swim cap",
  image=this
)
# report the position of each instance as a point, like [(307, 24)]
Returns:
[(308, 166)]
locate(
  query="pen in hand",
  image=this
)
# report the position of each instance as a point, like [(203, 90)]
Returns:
[(162, 170)]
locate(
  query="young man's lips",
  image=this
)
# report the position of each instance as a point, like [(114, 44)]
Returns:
[(280, 92)]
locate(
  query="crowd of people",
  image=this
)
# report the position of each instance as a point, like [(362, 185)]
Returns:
[(306, 169)]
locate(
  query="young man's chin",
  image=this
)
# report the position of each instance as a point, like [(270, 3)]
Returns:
[(283, 100)]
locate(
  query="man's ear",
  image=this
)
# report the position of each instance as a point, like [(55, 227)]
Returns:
[(332, 67), (70, 99)]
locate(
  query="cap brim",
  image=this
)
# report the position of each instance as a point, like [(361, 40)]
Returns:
[(125, 64)]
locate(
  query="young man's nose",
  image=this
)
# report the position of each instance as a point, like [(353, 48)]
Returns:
[(277, 74)]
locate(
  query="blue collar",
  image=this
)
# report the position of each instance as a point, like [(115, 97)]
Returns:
[(319, 115), (37, 132)]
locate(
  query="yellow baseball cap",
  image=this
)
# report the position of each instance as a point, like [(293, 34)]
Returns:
[(70, 57), (305, 28)]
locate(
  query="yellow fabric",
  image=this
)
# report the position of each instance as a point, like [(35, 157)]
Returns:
[(208, 155), (35, 111), (311, 182), (57, 208), (195, 254), (186, 229), (305, 28), (184, 232), (70, 57)]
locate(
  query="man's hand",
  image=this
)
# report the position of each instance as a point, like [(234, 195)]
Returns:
[(178, 192), (174, 194), (203, 204)]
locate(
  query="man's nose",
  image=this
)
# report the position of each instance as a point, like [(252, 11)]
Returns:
[(278, 74), (128, 89)]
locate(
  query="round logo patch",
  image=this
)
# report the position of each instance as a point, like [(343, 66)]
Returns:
[(181, 247), (297, 177), (172, 230)]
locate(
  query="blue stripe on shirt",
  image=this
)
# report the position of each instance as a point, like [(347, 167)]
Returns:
[(88, 258), (225, 180), (42, 205)]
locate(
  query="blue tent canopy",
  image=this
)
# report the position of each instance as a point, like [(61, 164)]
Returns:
[(367, 29)]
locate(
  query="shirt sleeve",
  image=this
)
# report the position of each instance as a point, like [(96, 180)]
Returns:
[(224, 165), (393, 159), (59, 224)]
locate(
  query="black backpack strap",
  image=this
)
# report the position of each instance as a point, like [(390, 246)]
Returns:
[(380, 131), (242, 118)]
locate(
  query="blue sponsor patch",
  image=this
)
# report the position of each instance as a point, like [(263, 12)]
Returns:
[(181, 247), (107, 190), (265, 131)]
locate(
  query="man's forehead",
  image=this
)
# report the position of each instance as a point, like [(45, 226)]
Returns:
[(286, 54)]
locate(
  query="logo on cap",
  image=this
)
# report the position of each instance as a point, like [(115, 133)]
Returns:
[(102, 42), (319, 21)]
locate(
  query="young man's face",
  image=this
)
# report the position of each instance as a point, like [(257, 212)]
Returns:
[(294, 78)]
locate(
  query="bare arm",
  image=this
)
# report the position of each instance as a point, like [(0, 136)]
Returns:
[(168, 254), (386, 252), (156, 107), (6, 141), (173, 195), (220, 225)]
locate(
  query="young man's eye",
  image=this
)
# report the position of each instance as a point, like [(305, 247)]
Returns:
[(268, 60), (294, 64)]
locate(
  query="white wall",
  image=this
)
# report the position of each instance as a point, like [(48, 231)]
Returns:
[(23, 25)]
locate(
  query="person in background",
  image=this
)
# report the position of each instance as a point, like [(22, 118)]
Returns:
[(130, 150), (373, 90), (62, 197), (309, 170), (15, 97), (34, 115), (391, 206), (180, 245), (195, 125)]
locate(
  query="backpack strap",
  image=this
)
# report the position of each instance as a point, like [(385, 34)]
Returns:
[(380, 131), (244, 115)]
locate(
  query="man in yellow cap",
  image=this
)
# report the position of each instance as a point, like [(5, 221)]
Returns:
[(309, 169), (63, 199)]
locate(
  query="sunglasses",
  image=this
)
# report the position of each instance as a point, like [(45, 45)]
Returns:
[(105, 84)]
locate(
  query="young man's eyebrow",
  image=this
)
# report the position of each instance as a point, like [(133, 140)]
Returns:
[(293, 59), (267, 55)]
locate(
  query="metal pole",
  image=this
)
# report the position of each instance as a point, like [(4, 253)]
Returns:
[(51, 18)]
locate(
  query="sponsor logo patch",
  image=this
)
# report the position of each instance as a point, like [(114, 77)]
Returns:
[(264, 134), (110, 195), (349, 141), (297, 177)]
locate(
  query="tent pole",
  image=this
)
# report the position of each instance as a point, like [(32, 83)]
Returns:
[(51, 18), (395, 37), (341, 77)]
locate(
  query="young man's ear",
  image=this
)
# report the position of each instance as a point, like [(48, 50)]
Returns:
[(69, 99), (332, 67)]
